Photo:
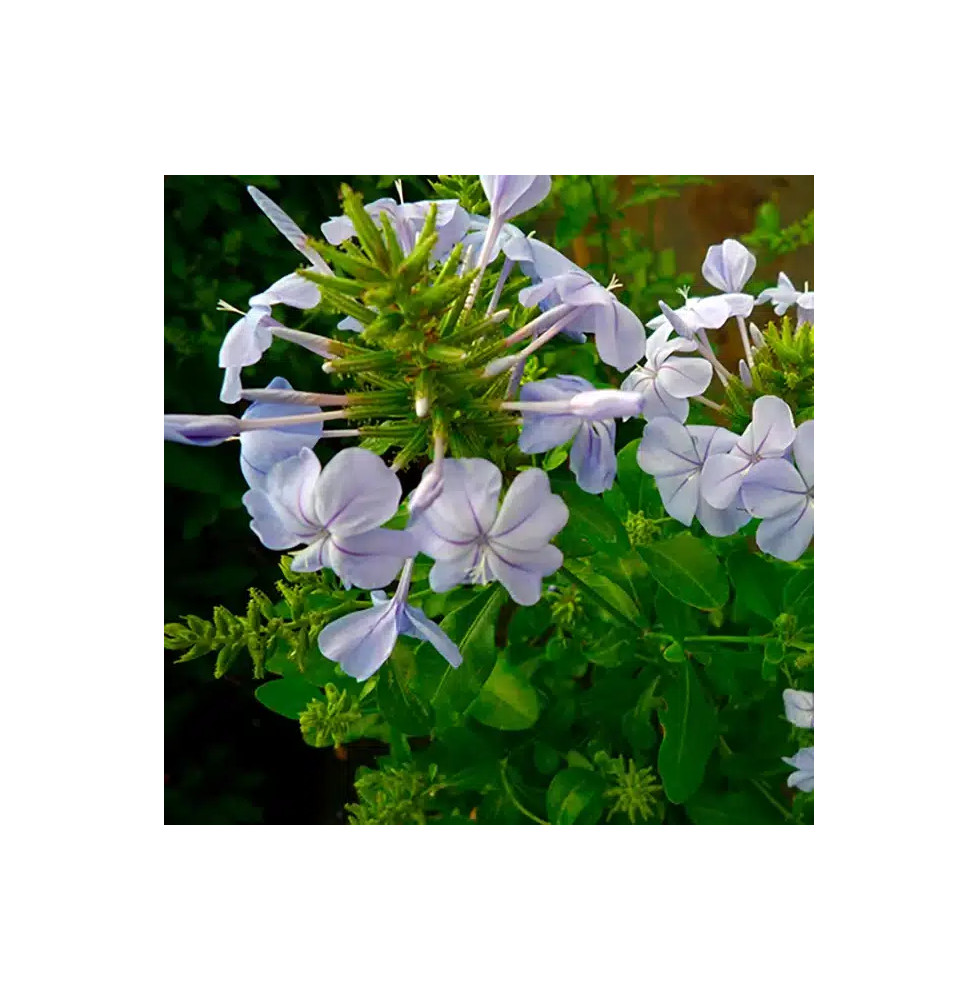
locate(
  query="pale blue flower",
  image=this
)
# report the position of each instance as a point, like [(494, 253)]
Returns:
[(783, 495), (580, 413), (512, 194), (768, 436), (675, 454), (799, 708), (335, 513), (474, 540), (784, 295), (251, 335), (284, 223), (261, 449), (363, 641), (618, 332), (666, 381), (804, 777), (728, 266)]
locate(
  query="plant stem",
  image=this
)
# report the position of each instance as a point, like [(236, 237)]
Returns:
[(516, 802)]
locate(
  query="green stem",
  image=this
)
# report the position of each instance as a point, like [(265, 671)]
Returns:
[(750, 640), (596, 597), (516, 802)]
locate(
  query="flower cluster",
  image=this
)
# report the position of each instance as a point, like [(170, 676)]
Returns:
[(436, 374)]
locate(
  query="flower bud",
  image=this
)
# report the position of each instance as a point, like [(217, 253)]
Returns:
[(205, 430), (605, 404)]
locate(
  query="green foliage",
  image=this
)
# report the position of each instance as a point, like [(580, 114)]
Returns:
[(773, 239), (645, 687)]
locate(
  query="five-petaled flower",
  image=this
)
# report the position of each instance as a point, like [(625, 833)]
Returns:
[(783, 496), (665, 381), (674, 453), (361, 642), (335, 513), (474, 540), (784, 295), (768, 436), (592, 427)]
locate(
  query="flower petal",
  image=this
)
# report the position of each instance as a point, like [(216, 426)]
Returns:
[(722, 477), (803, 450), (771, 430), (450, 572), (291, 488), (685, 377), (361, 642), (772, 487), (266, 522), (619, 335), (521, 572), (530, 514), (787, 536), (592, 456), (467, 506), (799, 708), (372, 558), (721, 523), (422, 627), (356, 492)]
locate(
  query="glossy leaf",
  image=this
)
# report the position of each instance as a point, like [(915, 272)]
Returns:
[(757, 584), (507, 700), (689, 570), (592, 525), (575, 796), (473, 628), (689, 732), (288, 696), (397, 697)]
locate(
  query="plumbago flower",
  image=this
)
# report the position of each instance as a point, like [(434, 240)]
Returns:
[(335, 513), (784, 295), (799, 708), (665, 381), (251, 335), (362, 642), (783, 495), (618, 332), (768, 436), (474, 540), (728, 266), (804, 776), (675, 453), (573, 409)]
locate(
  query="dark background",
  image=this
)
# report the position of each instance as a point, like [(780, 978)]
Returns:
[(228, 759)]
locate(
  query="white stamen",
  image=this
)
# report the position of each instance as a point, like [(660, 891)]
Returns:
[(223, 306)]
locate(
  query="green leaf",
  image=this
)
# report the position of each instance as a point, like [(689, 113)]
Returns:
[(608, 589), (399, 703), (507, 699), (288, 696), (757, 584), (592, 525), (689, 731), (673, 616), (799, 597), (575, 796), (689, 570), (473, 629), (636, 484)]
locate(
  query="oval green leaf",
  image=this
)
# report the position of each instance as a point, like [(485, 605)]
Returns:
[(689, 728), (575, 796), (689, 570)]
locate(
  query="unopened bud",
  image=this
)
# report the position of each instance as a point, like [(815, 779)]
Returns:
[(606, 404), (421, 406), (745, 375)]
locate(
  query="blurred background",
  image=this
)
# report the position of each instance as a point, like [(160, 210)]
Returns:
[(227, 758)]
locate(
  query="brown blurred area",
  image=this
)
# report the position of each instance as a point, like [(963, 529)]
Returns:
[(709, 213)]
